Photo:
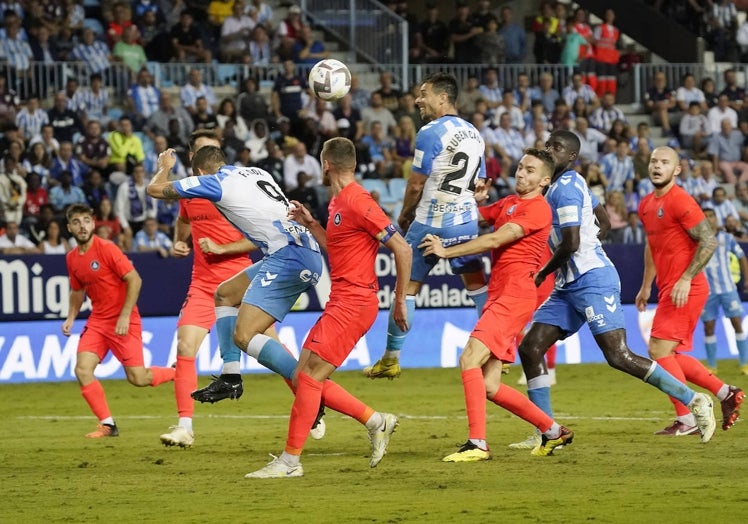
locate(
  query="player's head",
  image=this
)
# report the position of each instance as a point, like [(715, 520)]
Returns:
[(564, 148), (534, 172), (203, 137), (664, 166), (711, 217), (338, 156), (437, 95), (208, 160), (81, 222)]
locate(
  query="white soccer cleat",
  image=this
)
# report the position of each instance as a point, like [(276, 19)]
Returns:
[(318, 431), (531, 442), (178, 436), (702, 408), (276, 469), (380, 437)]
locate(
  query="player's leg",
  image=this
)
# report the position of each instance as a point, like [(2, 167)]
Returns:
[(129, 351), (708, 317), (740, 341), (87, 358)]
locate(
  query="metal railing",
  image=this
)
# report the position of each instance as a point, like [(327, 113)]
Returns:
[(644, 75)]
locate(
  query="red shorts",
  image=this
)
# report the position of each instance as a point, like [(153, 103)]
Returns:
[(545, 289), (340, 327), (198, 309), (128, 349), (502, 321), (678, 324)]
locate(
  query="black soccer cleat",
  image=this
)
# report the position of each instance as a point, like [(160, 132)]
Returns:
[(217, 390)]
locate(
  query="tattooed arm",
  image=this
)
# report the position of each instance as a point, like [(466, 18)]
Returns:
[(704, 235), (160, 187)]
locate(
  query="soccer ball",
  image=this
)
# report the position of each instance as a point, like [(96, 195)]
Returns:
[(330, 79)]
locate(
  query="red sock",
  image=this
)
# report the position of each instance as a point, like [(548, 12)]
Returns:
[(161, 375), (550, 357), (475, 402), (303, 412), (94, 396), (185, 382), (696, 372), (512, 400), (671, 365), (337, 398)]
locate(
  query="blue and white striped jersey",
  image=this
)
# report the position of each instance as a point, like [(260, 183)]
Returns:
[(30, 124), (451, 153), (618, 171), (571, 205), (718, 269), (250, 199), (95, 55)]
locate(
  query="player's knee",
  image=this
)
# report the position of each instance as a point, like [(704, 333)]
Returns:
[(242, 337), (84, 374), (138, 377), (186, 349)]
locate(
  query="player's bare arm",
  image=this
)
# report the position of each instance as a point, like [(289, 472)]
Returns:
[(603, 221), (704, 235), (403, 261), (182, 230), (568, 246), (413, 193), (506, 234), (744, 271), (134, 282), (209, 247), (160, 187), (642, 297), (482, 185), (74, 306), (299, 213)]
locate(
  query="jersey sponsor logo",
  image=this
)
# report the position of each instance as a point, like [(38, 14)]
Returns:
[(610, 303), (511, 209), (188, 183), (660, 213), (568, 214), (268, 279), (417, 158), (338, 219), (589, 312), (95, 265), (308, 276)]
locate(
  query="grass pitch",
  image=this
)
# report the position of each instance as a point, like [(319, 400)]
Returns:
[(615, 471)]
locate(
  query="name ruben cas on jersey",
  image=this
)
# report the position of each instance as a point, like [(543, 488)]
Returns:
[(451, 153), (250, 199)]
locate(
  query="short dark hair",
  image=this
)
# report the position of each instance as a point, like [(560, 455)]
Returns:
[(209, 159), (340, 152), (544, 156), (78, 209), (571, 139), (442, 82)]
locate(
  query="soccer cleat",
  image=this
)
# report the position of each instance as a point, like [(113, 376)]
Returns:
[(104, 430), (217, 390), (468, 452), (531, 442), (178, 436), (319, 427), (703, 409), (380, 437), (276, 469), (522, 381), (505, 367), (744, 369), (731, 407), (384, 368), (678, 429), (547, 445)]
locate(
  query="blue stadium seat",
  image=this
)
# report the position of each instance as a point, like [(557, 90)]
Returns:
[(227, 74), (94, 25), (397, 188), (114, 113), (374, 184)]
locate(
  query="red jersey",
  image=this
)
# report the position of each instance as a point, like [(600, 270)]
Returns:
[(514, 264), (99, 273), (207, 221), (666, 220), (355, 223), (34, 201), (585, 31), (606, 37)]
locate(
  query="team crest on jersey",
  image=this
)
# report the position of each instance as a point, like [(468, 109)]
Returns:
[(660, 213), (338, 219), (511, 209), (95, 265)]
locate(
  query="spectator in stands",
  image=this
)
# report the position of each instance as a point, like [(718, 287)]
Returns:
[(167, 115), (289, 29), (634, 233), (13, 242), (642, 154), (524, 94), (15, 50), (251, 104), (615, 206), (538, 132), (187, 42), (44, 50), (509, 144), (585, 52), (94, 53), (390, 95), (408, 108), (133, 205), (202, 118), (92, 149), (380, 148), (326, 123), (141, 7), (283, 137), (515, 38), (578, 89), (130, 52), (710, 92), (95, 189), (735, 228), (660, 102), (31, 118), (431, 40), (741, 202), (508, 106), (561, 118), (360, 96), (546, 93), (722, 206), (160, 145), (38, 161), (548, 41), (603, 117), (172, 10), (273, 162), (109, 227), (126, 148), (54, 243), (121, 21), (143, 98), (227, 111), (195, 88), (301, 162), (262, 14), (66, 162), (236, 30), (66, 193), (9, 102), (462, 33), (490, 43), (468, 96), (13, 190), (704, 183), (688, 92), (491, 90), (726, 150), (92, 103), (735, 93), (65, 122), (260, 50), (36, 197), (722, 21), (307, 50), (606, 55), (404, 148), (257, 141), (286, 98), (154, 37), (695, 129), (722, 111), (166, 217), (619, 169), (376, 112), (150, 239), (353, 128)]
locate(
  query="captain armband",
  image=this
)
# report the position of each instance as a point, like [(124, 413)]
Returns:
[(386, 234)]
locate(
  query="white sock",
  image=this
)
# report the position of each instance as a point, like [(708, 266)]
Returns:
[(391, 354), (723, 392), (688, 420), (185, 422), (291, 460), (108, 420), (554, 431), (375, 421), (231, 368), (482, 444)]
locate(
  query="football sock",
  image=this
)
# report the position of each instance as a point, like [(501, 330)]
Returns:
[(740, 341), (271, 354), (539, 392), (710, 344), (553, 432), (666, 375), (94, 396), (304, 411), (161, 375), (185, 382), (475, 402), (291, 460), (225, 324), (696, 373), (374, 421), (395, 335), (515, 402), (185, 422), (338, 399), (108, 421), (479, 296), (228, 376)]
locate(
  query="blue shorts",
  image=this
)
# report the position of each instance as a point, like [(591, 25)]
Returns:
[(730, 303), (595, 298), (450, 235), (277, 280)]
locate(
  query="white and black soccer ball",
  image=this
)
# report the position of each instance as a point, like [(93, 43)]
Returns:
[(330, 79)]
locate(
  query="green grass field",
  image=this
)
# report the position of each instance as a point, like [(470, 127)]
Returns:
[(616, 470)]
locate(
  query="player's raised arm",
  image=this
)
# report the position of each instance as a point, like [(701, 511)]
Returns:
[(209, 247), (160, 186)]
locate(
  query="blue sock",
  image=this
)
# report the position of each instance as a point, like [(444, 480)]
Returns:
[(667, 383), (541, 397), (710, 343), (742, 348), (479, 296), (395, 335), (225, 324), (272, 355)]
